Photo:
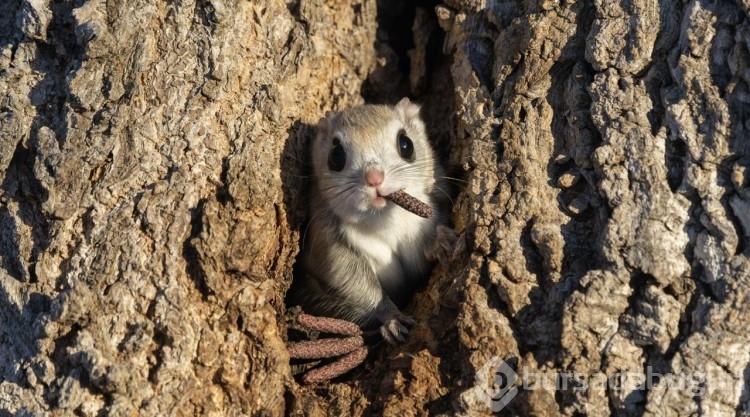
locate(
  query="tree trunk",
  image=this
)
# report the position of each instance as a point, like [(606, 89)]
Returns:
[(154, 176)]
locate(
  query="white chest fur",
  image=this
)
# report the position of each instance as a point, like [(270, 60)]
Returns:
[(393, 244)]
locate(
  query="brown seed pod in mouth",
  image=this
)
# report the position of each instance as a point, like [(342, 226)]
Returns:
[(410, 203)]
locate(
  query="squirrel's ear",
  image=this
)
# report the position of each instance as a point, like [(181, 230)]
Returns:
[(407, 109), (324, 124)]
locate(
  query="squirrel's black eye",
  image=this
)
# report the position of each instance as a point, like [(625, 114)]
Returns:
[(337, 156), (405, 146)]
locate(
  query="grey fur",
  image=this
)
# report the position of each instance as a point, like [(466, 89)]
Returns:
[(361, 261)]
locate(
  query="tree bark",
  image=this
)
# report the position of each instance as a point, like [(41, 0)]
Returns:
[(153, 186)]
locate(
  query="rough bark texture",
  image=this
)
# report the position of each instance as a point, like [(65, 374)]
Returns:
[(153, 179)]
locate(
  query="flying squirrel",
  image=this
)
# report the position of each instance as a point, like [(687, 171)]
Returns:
[(362, 254)]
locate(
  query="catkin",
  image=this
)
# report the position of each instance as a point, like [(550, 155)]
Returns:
[(338, 368), (324, 348), (328, 325), (410, 203)]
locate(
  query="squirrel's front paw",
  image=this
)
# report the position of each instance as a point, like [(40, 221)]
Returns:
[(396, 328), (446, 245)]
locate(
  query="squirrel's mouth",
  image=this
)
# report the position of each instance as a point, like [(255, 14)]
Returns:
[(378, 201)]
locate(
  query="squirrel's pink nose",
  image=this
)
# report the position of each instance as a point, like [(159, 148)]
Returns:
[(374, 176)]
